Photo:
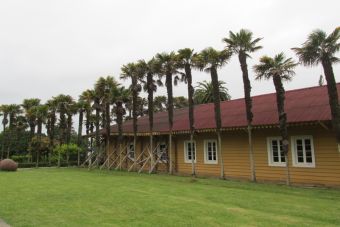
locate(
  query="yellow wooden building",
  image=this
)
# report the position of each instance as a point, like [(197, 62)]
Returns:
[(313, 156)]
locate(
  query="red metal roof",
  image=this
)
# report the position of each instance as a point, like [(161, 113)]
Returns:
[(301, 105)]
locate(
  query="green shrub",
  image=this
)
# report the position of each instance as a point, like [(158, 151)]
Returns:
[(21, 158)]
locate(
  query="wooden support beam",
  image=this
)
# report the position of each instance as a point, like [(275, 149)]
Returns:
[(117, 158), (137, 159), (157, 160), (108, 159), (323, 125)]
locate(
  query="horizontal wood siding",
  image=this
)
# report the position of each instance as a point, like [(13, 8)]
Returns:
[(236, 157)]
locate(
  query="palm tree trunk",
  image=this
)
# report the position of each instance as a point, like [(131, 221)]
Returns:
[(108, 127), (218, 120), (51, 145), (187, 69), (39, 141), (280, 99), (3, 135), (248, 103), (150, 111), (97, 139), (168, 82), (134, 111), (333, 97), (32, 131), (80, 129)]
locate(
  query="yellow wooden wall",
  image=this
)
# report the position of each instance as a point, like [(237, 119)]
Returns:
[(236, 157)]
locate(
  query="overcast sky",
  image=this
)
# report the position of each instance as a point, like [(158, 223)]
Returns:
[(62, 46)]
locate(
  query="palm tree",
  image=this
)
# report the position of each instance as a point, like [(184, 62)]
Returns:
[(166, 65), (160, 103), (13, 111), (185, 62), (63, 108), (278, 69), (210, 60), (130, 71), (205, 92), (27, 104), (81, 107), (5, 111), (105, 87), (40, 113), (87, 97), (242, 44), (51, 121), (180, 102), (150, 86), (120, 97), (320, 48)]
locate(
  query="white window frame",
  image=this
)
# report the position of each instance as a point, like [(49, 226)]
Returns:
[(129, 151), (159, 151), (294, 152), (206, 160), (186, 160), (270, 152)]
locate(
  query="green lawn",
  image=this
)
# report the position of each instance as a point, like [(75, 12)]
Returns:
[(77, 197)]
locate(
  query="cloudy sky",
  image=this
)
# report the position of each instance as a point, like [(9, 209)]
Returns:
[(62, 46)]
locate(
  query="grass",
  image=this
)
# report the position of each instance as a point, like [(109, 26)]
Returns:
[(77, 197)]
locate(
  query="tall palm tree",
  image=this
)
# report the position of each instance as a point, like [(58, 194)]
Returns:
[(120, 97), (321, 48), (5, 111), (14, 111), (242, 44), (40, 112), (105, 87), (204, 92), (167, 67), (27, 104), (185, 61), (51, 123), (150, 86), (210, 60), (278, 69), (87, 97), (81, 107), (130, 71)]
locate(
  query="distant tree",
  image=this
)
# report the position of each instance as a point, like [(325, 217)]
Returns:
[(160, 103), (180, 102), (204, 92), (320, 48), (28, 104), (321, 81), (4, 109)]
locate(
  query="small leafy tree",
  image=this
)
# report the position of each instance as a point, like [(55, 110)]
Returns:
[(62, 150)]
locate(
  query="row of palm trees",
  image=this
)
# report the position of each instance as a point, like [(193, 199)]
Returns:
[(109, 98), (178, 67)]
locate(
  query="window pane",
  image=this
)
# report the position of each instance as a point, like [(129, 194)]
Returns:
[(275, 151)]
